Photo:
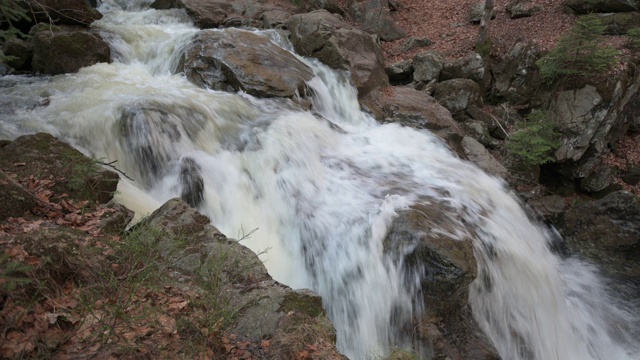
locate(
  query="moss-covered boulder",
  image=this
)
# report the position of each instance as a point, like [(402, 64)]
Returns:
[(43, 157), (61, 49)]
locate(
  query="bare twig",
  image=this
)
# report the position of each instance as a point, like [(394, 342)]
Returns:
[(110, 164)]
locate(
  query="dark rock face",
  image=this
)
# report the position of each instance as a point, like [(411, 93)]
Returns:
[(64, 12), (447, 267), (192, 182), (22, 52), (235, 60), (44, 156), (607, 232), (324, 36), (66, 50), (620, 23), (583, 7)]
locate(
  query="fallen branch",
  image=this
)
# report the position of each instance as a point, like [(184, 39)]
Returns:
[(110, 164)]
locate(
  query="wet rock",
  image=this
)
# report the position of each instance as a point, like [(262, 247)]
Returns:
[(207, 14), (479, 155), (149, 133), (165, 4), (631, 175), (584, 7), (448, 264), (46, 158), (416, 109), (607, 232), (192, 182), (377, 20), (66, 49), (63, 12), (237, 60), (522, 8), (469, 67), (457, 94), (427, 66), (21, 51), (326, 37)]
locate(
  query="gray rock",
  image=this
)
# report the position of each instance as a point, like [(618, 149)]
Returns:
[(479, 131), (476, 11), (469, 67), (479, 155), (584, 7), (275, 19), (517, 78), (377, 20), (597, 180), (238, 60), (417, 109), (326, 37), (207, 14), (400, 72), (548, 206), (457, 94), (517, 9), (415, 43), (67, 50), (427, 66)]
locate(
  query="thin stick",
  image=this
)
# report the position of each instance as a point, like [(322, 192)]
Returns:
[(110, 164)]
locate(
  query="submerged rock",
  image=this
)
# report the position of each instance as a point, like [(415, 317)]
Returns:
[(239, 60), (192, 182)]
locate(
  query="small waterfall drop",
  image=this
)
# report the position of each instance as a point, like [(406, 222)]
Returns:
[(322, 189)]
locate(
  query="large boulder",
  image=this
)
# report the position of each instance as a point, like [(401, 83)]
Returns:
[(607, 232), (468, 67), (517, 77), (591, 118), (416, 109), (45, 158), (19, 52), (237, 60), (326, 37), (427, 66), (584, 7), (264, 308), (63, 12), (377, 20), (457, 94), (61, 49)]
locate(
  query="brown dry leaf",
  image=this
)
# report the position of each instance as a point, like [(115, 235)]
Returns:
[(32, 260), (265, 345), (168, 324), (16, 252), (31, 226)]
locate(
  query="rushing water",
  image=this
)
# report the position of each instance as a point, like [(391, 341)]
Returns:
[(322, 191)]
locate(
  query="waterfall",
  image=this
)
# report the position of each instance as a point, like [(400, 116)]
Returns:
[(321, 189)]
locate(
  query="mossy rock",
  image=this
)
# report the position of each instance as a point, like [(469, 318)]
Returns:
[(44, 157), (620, 23), (304, 302)]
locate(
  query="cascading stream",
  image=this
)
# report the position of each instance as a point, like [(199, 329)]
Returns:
[(322, 198)]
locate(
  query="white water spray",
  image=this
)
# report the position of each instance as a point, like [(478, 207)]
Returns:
[(322, 198)]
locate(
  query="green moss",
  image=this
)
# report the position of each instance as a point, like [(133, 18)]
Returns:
[(307, 304)]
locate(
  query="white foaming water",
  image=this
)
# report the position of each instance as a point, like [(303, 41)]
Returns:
[(321, 197)]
